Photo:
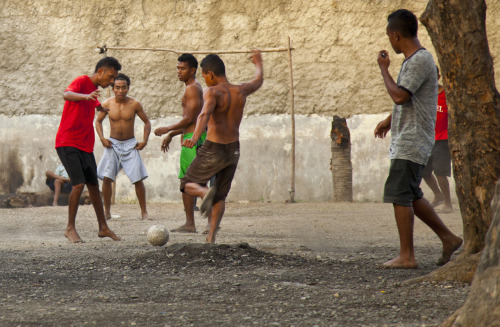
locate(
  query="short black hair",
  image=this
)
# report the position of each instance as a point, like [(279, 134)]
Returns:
[(108, 62), (190, 59), (213, 63), (121, 77), (404, 22)]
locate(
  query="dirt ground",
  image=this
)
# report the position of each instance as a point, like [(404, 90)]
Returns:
[(302, 264)]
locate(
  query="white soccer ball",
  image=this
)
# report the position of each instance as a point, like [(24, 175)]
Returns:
[(158, 235)]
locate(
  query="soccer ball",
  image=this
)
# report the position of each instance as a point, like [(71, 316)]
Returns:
[(158, 235)]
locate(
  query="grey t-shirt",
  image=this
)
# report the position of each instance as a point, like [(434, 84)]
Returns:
[(412, 125)]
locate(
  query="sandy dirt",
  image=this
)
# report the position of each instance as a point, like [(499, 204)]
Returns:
[(302, 264)]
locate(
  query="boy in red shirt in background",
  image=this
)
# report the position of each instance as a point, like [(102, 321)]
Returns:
[(440, 160), (75, 142)]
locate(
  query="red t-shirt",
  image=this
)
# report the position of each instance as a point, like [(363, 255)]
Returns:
[(442, 118), (77, 122)]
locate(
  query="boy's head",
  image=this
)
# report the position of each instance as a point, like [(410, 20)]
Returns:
[(106, 70)]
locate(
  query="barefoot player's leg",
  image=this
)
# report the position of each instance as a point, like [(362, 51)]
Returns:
[(106, 195), (195, 189), (95, 197), (140, 191), (73, 203), (189, 226), (216, 217), (426, 213), (404, 220), (58, 184)]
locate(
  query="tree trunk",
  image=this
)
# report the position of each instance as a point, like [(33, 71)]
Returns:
[(458, 33), (482, 307), (341, 160)]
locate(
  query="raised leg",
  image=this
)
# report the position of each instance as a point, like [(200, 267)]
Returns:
[(140, 191), (73, 203), (95, 197), (106, 195)]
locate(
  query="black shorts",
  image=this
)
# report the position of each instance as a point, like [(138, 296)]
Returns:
[(66, 188), (403, 183), (440, 160), (214, 159), (80, 165)]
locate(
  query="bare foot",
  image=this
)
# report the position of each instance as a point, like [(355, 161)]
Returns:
[(448, 249), (73, 236), (211, 236), (108, 216), (145, 216), (206, 204), (207, 229), (437, 202), (54, 204), (399, 263), (108, 233), (445, 209), (184, 229)]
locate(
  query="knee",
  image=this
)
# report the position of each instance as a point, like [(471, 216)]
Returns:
[(78, 187)]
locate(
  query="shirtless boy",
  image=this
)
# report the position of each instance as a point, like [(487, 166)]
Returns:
[(222, 111), (75, 142), (192, 101), (121, 150)]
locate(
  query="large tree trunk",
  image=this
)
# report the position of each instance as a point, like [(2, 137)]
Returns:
[(482, 307), (458, 33)]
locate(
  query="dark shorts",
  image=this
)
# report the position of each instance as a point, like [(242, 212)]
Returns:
[(440, 160), (403, 183), (66, 188), (214, 159), (80, 165)]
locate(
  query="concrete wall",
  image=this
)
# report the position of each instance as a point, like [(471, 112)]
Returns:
[(263, 172)]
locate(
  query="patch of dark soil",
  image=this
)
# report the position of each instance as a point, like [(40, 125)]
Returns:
[(216, 285)]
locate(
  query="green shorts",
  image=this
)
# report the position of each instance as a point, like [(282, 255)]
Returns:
[(188, 154)]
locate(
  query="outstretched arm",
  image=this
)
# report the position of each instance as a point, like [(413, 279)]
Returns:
[(398, 95), (256, 83), (168, 138), (209, 102), (147, 126), (73, 96)]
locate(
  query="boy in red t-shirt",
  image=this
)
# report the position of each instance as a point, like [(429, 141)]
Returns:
[(75, 142), (440, 160)]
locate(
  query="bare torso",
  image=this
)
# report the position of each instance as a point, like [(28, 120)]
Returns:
[(198, 92), (122, 117), (224, 122)]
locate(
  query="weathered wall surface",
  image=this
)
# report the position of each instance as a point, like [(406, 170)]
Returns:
[(45, 44)]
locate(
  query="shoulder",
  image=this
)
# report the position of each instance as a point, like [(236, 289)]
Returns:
[(108, 102)]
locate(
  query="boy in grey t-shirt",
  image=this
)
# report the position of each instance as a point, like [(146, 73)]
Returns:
[(412, 123)]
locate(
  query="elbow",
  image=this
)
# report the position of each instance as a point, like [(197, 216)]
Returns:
[(400, 100), (65, 95)]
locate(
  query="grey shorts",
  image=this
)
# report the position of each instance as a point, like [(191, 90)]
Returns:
[(440, 160), (403, 183)]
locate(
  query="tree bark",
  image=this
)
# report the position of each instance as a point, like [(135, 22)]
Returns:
[(458, 33), (482, 307), (341, 164)]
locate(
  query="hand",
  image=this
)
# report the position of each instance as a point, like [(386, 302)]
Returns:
[(382, 129), (189, 143), (106, 143), (166, 143), (140, 145), (94, 95), (383, 59), (102, 109), (161, 130), (256, 57)]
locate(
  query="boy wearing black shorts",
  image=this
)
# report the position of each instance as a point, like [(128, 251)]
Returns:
[(412, 124), (75, 142)]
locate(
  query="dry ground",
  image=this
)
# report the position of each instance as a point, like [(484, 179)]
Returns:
[(303, 264)]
